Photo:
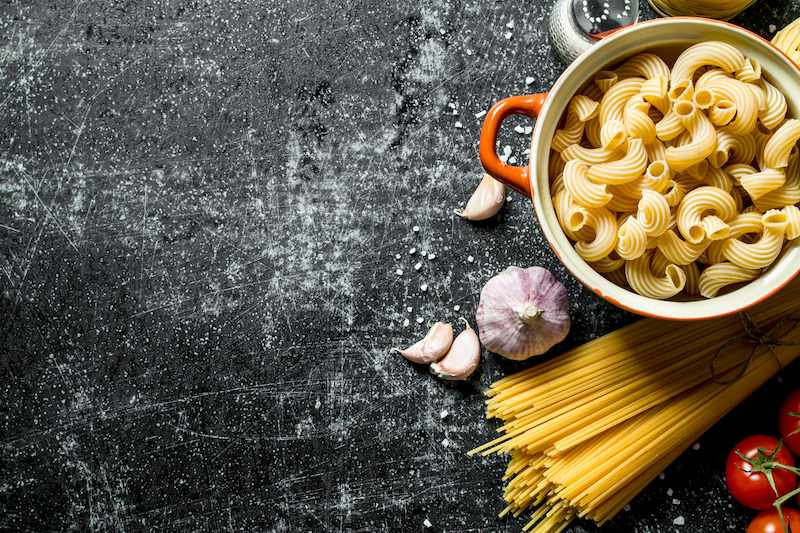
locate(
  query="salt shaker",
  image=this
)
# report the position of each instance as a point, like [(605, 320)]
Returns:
[(576, 24)]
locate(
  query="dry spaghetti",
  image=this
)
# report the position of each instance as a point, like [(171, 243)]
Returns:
[(587, 431)]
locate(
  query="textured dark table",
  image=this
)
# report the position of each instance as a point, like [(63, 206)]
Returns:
[(202, 209)]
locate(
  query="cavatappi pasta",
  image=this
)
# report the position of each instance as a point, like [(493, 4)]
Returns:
[(680, 181), (588, 430), (718, 9)]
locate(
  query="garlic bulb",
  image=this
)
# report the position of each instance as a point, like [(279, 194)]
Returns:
[(486, 201), (523, 312), (431, 348), (462, 359)]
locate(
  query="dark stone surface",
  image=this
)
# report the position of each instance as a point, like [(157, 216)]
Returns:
[(200, 207)]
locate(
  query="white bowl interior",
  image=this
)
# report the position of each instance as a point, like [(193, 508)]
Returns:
[(668, 37)]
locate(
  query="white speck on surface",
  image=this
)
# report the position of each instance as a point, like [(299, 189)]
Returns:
[(479, 114), (456, 308), (469, 52), (508, 199), (519, 129), (510, 24), (470, 259), (696, 446), (409, 309), (443, 414), (406, 323), (423, 254), (526, 151), (507, 150), (424, 287), (528, 131), (669, 492), (772, 28), (442, 31), (503, 158), (415, 229), (679, 521), (420, 320), (458, 124), (529, 80), (512, 160), (399, 271), (412, 251), (431, 257), (417, 266), (627, 508), (317, 404), (676, 501), (508, 35), (427, 523), (661, 475), (397, 256), (452, 105), (445, 443)]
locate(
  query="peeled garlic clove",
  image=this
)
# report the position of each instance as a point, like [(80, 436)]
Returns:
[(486, 201), (523, 312), (437, 342), (432, 347), (462, 359)]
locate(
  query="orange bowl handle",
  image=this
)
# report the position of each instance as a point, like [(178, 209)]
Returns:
[(516, 177)]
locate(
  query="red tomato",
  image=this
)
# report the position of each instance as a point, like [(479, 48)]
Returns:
[(789, 421), (748, 485), (770, 522)]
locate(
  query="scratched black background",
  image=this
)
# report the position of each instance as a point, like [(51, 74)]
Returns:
[(201, 205)]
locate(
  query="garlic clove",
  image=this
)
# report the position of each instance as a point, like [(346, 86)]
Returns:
[(437, 342), (522, 313), (413, 353), (462, 359), (486, 201)]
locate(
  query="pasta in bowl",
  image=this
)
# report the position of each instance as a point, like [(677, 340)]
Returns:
[(664, 171), (678, 181)]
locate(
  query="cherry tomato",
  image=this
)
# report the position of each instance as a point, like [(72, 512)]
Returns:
[(746, 483), (789, 421), (770, 522)]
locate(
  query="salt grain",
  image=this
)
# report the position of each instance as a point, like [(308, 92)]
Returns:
[(412, 251), (417, 266), (508, 199), (661, 475), (507, 150), (445, 443), (443, 414), (415, 229), (508, 35), (512, 160), (503, 158), (399, 271), (469, 52), (772, 28), (627, 508), (510, 24), (427, 523), (456, 308), (528, 131), (406, 323), (420, 320), (480, 114), (397, 256), (441, 31), (676, 501), (519, 129), (469, 258), (423, 287), (451, 105), (669, 492), (679, 521), (409, 309), (526, 151), (696, 446), (529, 80), (458, 124), (431, 257)]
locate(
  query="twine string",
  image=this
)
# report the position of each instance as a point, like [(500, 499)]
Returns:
[(757, 337)]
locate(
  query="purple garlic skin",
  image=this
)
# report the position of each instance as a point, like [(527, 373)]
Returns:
[(462, 359), (523, 312)]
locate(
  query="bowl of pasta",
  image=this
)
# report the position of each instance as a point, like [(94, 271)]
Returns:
[(664, 171)]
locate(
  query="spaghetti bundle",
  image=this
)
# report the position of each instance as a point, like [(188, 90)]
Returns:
[(717, 9), (588, 430)]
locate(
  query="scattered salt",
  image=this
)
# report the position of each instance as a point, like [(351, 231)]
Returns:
[(443, 414), (503, 158), (412, 251), (512, 160), (676, 501), (317, 404), (397, 256), (661, 475), (526, 151), (507, 150), (420, 320), (427, 523), (519, 129), (417, 266), (508, 199), (510, 24), (669, 492), (469, 52), (529, 80), (508, 35), (696, 446), (415, 229), (423, 253), (458, 124), (456, 308), (451, 105), (480, 114), (679, 521), (445, 442), (454, 112), (399, 271), (627, 508), (772, 28), (528, 131), (431, 257), (409, 309), (406, 323), (441, 31), (469, 258), (423, 287)]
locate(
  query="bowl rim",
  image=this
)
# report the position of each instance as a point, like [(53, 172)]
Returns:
[(702, 309)]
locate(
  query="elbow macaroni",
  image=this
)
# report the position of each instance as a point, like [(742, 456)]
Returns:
[(678, 180)]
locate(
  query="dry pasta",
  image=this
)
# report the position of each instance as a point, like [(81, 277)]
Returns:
[(658, 173), (718, 9), (788, 40)]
